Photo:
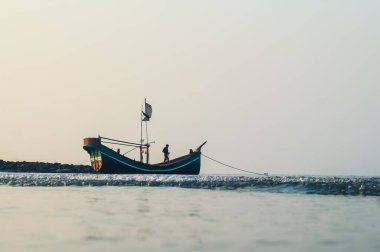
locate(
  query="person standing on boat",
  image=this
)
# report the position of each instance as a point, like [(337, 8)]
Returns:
[(166, 153)]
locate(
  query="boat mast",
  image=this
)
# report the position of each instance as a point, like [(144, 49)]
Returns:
[(147, 140), (145, 116), (141, 139)]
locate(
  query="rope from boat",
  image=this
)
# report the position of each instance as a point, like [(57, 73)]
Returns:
[(131, 150), (119, 141), (120, 144), (230, 166)]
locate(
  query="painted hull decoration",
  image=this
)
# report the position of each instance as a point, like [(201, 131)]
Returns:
[(105, 160), (96, 159)]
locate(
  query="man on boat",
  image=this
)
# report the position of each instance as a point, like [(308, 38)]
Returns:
[(166, 153)]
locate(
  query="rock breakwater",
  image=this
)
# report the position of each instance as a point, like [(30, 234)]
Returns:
[(42, 167)]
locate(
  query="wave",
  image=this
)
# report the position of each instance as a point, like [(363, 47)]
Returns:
[(281, 184)]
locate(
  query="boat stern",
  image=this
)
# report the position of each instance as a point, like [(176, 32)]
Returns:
[(92, 145)]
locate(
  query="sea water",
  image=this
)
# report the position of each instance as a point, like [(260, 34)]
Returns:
[(88, 212)]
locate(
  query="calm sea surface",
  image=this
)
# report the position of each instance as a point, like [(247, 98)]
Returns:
[(69, 212)]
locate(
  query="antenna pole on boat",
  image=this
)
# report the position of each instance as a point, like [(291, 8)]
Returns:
[(147, 140), (141, 139)]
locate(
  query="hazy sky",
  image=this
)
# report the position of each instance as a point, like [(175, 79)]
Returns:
[(286, 87)]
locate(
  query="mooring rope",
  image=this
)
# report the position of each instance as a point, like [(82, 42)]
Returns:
[(230, 166)]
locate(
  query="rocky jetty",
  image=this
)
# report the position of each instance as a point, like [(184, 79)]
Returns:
[(41, 167)]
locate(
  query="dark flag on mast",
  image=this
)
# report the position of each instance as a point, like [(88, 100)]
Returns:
[(148, 112)]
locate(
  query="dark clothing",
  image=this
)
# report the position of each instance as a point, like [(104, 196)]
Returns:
[(166, 154)]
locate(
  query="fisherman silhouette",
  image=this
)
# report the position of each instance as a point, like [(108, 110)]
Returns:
[(166, 153)]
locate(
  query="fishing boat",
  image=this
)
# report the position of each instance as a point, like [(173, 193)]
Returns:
[(106, 160)]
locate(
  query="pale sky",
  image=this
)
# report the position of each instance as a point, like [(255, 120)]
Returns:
[(284, 87)]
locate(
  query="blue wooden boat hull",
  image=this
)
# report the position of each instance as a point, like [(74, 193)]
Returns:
[(105, 160)]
